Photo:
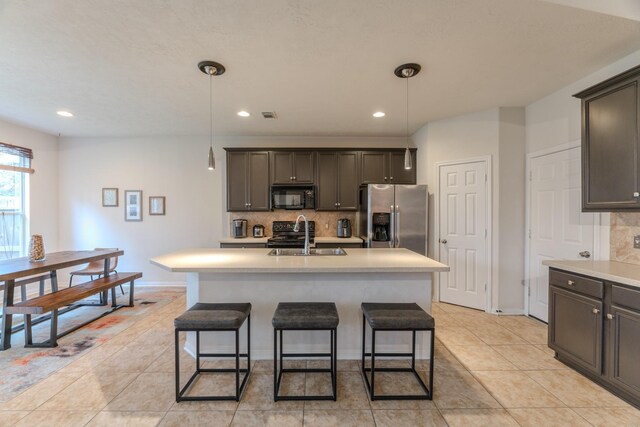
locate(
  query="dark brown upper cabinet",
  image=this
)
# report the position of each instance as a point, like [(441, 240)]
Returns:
[(248, 181), (610, 144), (292, 167), (387, 167), (337, 180)]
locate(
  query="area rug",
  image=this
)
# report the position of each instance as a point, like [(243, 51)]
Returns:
[(23, 367)]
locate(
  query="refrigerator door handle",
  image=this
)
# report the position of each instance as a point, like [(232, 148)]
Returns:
[(396, 232), (392, 238)]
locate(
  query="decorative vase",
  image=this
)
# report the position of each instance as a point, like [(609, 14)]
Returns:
[(36, 248)]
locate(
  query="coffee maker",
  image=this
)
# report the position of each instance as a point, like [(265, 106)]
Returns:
[(239, 228), (381, 226)]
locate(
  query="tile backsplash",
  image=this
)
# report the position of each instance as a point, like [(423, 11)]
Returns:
[(624, 225), (326, 222)]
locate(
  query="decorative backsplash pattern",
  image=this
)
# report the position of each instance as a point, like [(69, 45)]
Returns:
[(624, 225), (326, 222)]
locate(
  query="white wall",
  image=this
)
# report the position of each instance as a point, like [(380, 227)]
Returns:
[(43, 184), (498, 133), (174, 167)]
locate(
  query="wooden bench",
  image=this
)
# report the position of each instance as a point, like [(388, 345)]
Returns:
[(53, 301)]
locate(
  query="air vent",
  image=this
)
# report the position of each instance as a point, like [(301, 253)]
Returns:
[(269, 115)]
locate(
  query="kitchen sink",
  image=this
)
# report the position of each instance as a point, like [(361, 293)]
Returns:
[(312, 252)]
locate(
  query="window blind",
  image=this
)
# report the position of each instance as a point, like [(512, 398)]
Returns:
[(19, 159)]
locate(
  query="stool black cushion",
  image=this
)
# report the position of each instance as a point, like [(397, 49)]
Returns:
[(213, 316), (305, 315), (396, 316)]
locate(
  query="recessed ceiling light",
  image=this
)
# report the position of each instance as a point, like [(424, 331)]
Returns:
[(378, 114), (64, 113), (244, 113)]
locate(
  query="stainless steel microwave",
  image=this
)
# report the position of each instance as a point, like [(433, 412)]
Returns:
[(293, 197)]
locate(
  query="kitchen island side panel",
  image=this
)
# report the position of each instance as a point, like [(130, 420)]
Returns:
[(348, 291)]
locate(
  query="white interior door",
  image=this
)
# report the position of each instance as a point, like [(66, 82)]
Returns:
[(463, 233), (558, 228)]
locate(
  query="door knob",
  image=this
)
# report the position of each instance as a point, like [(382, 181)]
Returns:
[(585, 254), (443, 241)]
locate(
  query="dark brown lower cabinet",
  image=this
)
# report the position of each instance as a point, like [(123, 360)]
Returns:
[(594, 327), (575, 328)]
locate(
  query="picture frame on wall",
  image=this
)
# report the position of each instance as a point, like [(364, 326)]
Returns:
[(133, 205), (110, 197), (156, 205)]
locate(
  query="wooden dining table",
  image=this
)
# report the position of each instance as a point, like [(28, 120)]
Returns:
[(16, 272)]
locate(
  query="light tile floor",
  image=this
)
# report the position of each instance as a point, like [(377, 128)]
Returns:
[(490, 371)]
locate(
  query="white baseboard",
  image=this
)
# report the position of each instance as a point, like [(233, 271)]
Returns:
[(162, 284), (509, 312)]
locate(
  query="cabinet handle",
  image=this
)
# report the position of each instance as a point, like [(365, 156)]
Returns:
[(290, 178), (570, 282), (636, 194), (595, 310), (391, 178), (385, 178), (338, 204), (610, 316)]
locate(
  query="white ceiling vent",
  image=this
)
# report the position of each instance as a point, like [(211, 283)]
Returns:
[(269, 115)]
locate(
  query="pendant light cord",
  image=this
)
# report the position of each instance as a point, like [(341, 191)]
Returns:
[(407, 79), (210, 110)]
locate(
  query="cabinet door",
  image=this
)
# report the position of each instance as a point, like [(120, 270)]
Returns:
[(624, 349), (303, 167), (281, 167), (374, 167), (327, 182), (610, 148), (348, 182), (237, 182), (397, 173), (575, 328), (258, 194)]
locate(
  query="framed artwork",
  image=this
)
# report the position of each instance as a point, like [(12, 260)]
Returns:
[(109, 197), (156, 205), (133, 205)]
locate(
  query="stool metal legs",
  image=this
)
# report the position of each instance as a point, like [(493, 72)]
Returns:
[(239, 386), (370, 385), (278, 369)]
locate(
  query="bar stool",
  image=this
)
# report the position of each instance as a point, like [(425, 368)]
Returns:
[(214, 318), (396, 317), (304, 316)]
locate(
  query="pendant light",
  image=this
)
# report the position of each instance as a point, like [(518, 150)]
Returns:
[(406, 71), (211, 69)]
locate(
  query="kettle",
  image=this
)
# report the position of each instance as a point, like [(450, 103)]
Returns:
[(258, 230), (344, 227)]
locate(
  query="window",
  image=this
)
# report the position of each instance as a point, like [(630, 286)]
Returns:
[(15, 163)]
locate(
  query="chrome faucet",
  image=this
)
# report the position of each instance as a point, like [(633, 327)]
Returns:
[(296, 228)]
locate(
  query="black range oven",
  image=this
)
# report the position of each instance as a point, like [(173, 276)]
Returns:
[(285, 237)]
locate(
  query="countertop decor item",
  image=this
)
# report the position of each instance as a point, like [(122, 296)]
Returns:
[(406, 71), (211, 69), (36, 248)]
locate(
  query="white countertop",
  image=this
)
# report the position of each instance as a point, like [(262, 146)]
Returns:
[(207, 260), (258, 240), (620, 272)]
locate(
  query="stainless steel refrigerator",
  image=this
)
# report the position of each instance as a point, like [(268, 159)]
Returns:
[(394, 216)]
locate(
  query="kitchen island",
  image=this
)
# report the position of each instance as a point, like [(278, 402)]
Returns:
[(251, 275)]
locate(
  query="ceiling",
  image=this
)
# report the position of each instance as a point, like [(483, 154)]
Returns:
[(127, 68)]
